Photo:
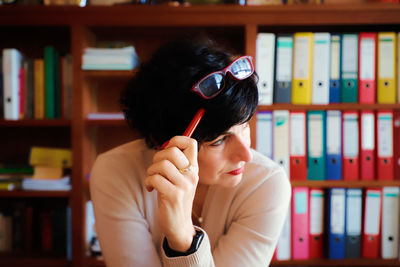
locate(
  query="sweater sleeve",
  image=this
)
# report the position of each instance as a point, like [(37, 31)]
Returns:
[(122, 229), (259, 213), (201, 258)]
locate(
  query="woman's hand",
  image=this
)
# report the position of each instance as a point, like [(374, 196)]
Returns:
[(175, 189)]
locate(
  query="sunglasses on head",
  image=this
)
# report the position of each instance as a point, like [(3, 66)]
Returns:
[(212, 84)]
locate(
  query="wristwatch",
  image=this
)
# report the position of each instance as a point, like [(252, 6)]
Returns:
[(197, 238)]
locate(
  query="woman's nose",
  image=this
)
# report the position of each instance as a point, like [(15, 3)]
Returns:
[(242, 148)]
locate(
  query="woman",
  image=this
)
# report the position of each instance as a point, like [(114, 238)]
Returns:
[(174, 200)]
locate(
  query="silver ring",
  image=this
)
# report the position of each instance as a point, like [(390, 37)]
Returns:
[(187, 169)]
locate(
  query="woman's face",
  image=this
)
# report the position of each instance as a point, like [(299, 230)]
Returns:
[(222, 160)]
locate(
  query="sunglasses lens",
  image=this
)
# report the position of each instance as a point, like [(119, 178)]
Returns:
[(211, 84), (241, 68)]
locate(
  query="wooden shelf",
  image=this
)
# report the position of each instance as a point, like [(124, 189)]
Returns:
[(34, 262), (108, 74), (202, 15), (35, 123), (38, 194), (93, 122), (94, 262), (342, 106), (345, 262), (346, 184)]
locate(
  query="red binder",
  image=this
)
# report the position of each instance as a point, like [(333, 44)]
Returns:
[(367, 145), (350, 139), (300, 222), (298, 146), (367, 67), (372, 223), (385, 169), (396, 144), (316, 223)]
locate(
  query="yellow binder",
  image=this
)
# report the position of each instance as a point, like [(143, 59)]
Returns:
[(302, 64), (386, 67)]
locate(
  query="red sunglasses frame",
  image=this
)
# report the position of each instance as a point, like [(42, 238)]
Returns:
[(223, 72)]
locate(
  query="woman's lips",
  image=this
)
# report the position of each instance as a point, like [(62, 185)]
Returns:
[(237, 171)]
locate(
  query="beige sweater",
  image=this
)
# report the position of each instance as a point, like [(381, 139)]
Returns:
[(241, 224)]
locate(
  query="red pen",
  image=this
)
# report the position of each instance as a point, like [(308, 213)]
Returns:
[(192, 125)]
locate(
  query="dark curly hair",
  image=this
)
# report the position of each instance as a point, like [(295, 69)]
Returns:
[(159, 104)]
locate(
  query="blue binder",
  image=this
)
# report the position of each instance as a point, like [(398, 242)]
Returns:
[(333, 145), (336, 218), (334, 82)]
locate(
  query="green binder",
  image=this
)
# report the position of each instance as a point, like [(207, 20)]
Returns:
[(316, 124), (349, 68)]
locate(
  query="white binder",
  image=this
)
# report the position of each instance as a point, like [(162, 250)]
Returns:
[(12, 63), (390, 222), (265, 60), (321, 68), (281, 139), (283, 249)]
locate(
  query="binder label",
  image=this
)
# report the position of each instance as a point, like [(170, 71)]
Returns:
[(301, 59), (301, 202), (333, 133), (337, 212), (368, 132), (284, 59), (297, 147), (386, 57), (315, 134), (367, 71), (372, 213), (316, 212), (385, 135), (350, 148)]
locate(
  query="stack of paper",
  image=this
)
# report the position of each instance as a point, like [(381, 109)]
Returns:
[(62, 184), (110, 58)]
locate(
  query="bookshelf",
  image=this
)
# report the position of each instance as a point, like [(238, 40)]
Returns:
[(71, 29)]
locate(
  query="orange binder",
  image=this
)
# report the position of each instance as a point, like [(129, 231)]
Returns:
[(298, 146), (300, 223), (367, 67), (385, 169), (350, 137), (372, 223), (316, 223), (367, 153)]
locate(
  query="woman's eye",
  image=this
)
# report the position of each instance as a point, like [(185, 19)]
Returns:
[(219, 141)]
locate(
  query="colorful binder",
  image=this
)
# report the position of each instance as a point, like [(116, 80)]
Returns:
[(302, 68), (298, 145), (316, 223), (281, 139), (353, 223), (349, 68), (396, 144), (390, 222), (320, 67), (283, 68), (316, 145), (336, 209), (387, 67), (264, 133), (385, 145), (334, 84), (367, 68), (350, 139), (367, 153), (300, 223), (372, 222), (265, 58), (333, 145)]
